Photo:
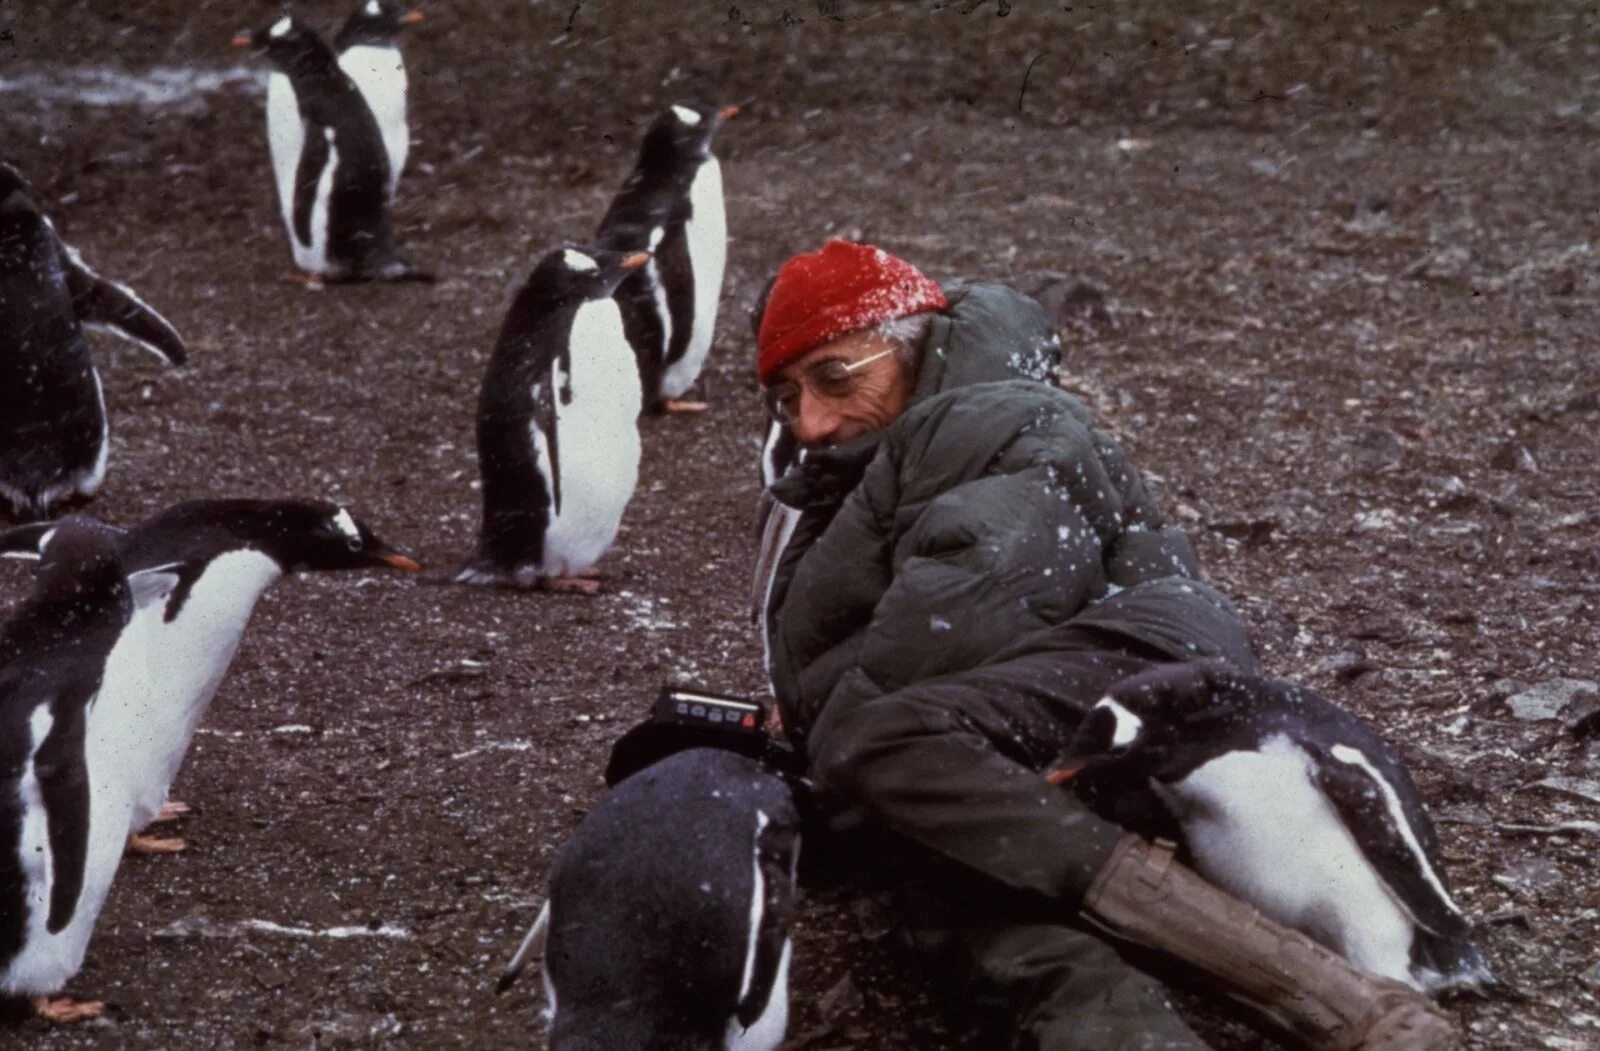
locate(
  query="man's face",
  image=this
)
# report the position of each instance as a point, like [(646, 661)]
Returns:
[(835, 393)]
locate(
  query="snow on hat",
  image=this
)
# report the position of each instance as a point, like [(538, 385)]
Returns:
[(843, 287)]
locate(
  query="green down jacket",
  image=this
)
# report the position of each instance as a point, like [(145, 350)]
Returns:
[(993, 507)]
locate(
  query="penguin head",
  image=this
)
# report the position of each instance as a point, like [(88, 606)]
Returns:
[(574, 273), (1158, 724), (80, 574), (297, 534), (683, 133), (376, 23), (323, 536), (284, 42), (11, 181)]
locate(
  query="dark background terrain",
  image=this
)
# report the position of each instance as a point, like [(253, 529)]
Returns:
[(1331, 276)]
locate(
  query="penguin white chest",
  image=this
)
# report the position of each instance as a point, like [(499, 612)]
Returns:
[(161, 676), (597, 428), (285, 141), (706, 234), (1259, 827), (379, 73)]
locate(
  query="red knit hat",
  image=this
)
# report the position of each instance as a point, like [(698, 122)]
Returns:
[(819, 296)]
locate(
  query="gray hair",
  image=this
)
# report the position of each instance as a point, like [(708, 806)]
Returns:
[(910, 336)]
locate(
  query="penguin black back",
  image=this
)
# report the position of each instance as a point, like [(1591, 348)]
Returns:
[(680, 849), (52, 656), (376, 23)]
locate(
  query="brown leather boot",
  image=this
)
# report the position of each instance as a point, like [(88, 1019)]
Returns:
[(1313, 993)]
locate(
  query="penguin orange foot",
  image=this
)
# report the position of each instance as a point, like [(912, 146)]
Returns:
[(171, 810), (141, 844), (675, 405), (573, 585), (313, 282), (64, 1010)]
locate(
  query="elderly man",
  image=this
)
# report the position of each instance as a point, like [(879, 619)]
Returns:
[(960, 563)]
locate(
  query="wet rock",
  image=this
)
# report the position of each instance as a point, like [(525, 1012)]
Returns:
[(1345, 667), (1531, 876), (1447, 263), (1514, 456), (840, 1001), (1548, 700), (1378, 449), (1249, 531), (1572, 786)]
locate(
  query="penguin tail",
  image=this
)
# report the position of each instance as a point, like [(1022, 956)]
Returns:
[(398, 268), (1456, 967), (531, 946), (482, 570)]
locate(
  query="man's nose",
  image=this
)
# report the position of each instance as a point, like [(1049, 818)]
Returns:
[(816, 421)]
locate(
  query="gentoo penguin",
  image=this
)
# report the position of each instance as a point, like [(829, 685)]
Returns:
[(53, 434), (369, 53), (196, 570), (329, 160), (677, 184), (56, 856), (1291, 804), (667, 923), (558, 431)]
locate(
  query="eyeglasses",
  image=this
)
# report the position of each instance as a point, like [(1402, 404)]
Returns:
[(831, 379)]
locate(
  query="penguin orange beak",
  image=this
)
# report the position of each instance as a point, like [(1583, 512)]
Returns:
[(635, 261), (242, 40), (399, 561), (1062, 774), (411, 18), (728, 112)]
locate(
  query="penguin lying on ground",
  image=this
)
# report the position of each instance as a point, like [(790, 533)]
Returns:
[(1291, 804), (328, 156), (676, 185), (196, 570), (558, 431), (369, 53), (56, 853), (53, 434), (667, 924)]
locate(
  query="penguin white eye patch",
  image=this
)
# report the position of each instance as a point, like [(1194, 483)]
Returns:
[(345, 524), (576, 260), (687, 115)]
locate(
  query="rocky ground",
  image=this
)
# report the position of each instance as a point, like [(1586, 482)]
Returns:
[(1331, 278)]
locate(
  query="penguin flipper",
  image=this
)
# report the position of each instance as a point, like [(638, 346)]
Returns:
[(532, 945), (1371, 810), (777, 847), (154, 585), (544, 421), (63, 777), (677, 278), (114, 307), (28, 542), (314, 157)]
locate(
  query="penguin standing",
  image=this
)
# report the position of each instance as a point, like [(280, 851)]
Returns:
[(57, 855), (196, 570), (369, 53), (1291, 804), (667, 924), (676, 185), (329, 160), (53, 435), (558, 431)]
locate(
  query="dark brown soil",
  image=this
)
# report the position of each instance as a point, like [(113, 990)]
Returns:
[(1346, 276)]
